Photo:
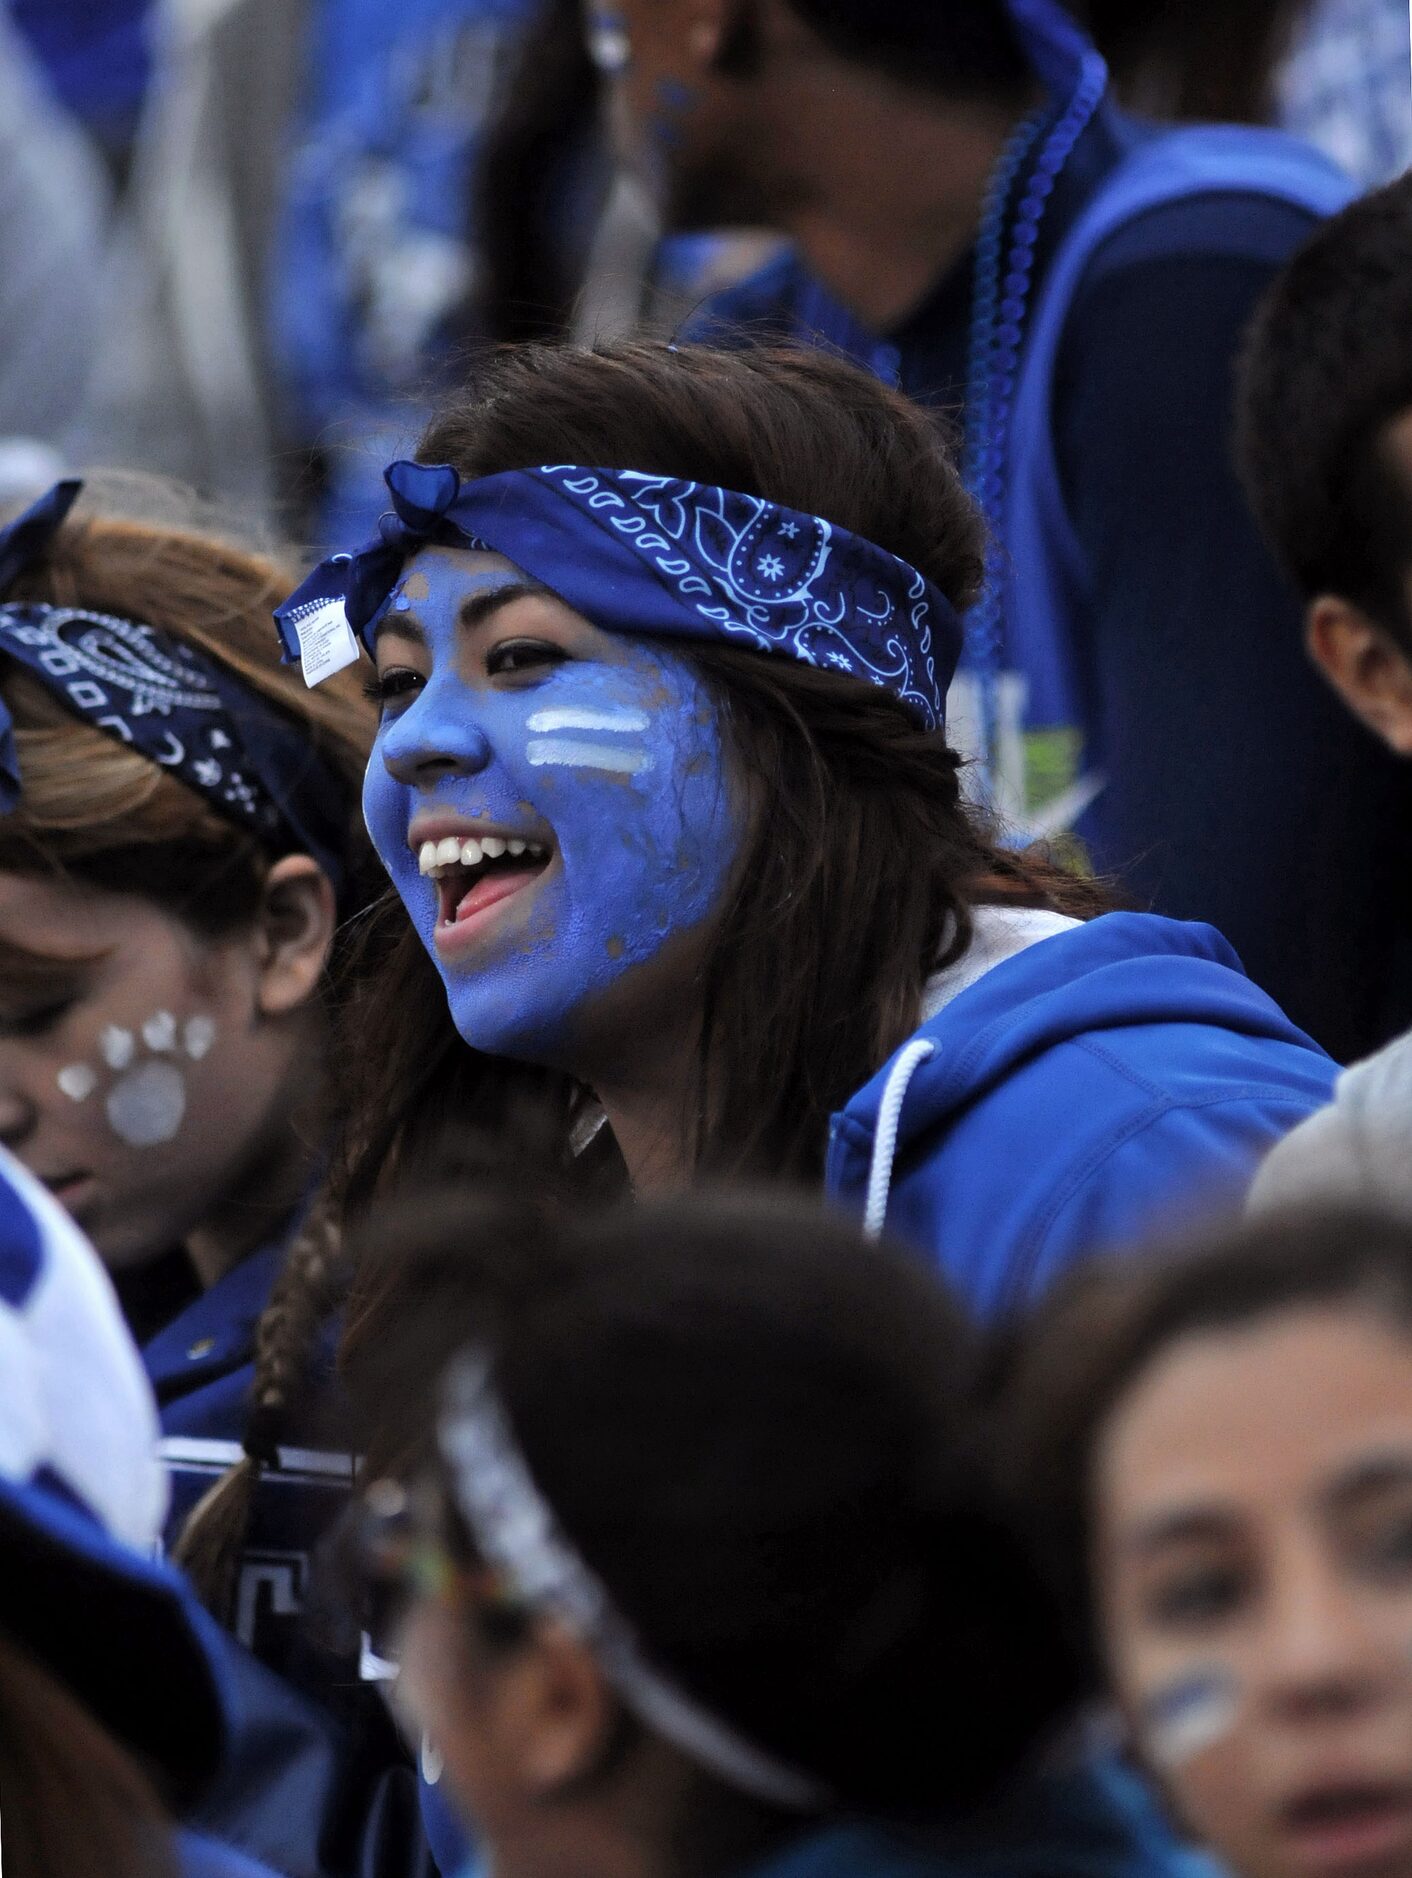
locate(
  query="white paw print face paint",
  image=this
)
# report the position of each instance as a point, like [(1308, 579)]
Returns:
[(137, 1074), (146, 1103)]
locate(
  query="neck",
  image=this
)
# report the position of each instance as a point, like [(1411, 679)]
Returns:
[(645, 1113), (271, 1183), (883, 184)]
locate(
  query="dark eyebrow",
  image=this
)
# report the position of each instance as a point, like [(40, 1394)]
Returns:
[(1373, 1474), (405, 625), (1178, 1525), (476, 608)]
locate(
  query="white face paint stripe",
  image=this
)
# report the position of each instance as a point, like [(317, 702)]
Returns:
[(1188, 1717), (564, 717), (567, 754)]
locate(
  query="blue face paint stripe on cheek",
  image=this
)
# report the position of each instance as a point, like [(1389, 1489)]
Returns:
[(564, 753)]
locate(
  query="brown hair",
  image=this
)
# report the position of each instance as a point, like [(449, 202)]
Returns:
[(94, 810), (74, 1803), (98, 811), (858, 883), (1067, 1370), (1202, 59)]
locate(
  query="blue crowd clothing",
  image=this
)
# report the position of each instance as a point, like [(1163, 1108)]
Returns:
[(1237, 790), (375, 248), (318, 1784), (200, 1857), (1091, 1821), (1112, 1082)]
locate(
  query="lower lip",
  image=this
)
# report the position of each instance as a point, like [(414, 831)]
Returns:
[(484, 904), (1349, 1848)]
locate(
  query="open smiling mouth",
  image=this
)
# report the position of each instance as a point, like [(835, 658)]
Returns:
[(471, 876)]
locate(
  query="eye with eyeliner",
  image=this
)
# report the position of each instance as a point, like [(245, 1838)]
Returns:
[(1382, 1548), (38, 1019), (398, 682), (517, 658), (1194, 1597)]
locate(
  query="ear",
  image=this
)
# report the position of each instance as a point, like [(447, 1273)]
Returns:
[(1365, 665), (559, 1709), (295, 928), (712, 26)]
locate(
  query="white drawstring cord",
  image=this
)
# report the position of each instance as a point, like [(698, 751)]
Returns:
[(885, 1138)]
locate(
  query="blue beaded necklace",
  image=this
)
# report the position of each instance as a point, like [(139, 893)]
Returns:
[(1004, 278)]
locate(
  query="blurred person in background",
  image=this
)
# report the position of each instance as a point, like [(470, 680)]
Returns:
[(689, 1556), (449, 185), (1337, 72), (114, 1703), (1214, 1452), (1326, 445), (55, 202), (973, 218), (180, 833)]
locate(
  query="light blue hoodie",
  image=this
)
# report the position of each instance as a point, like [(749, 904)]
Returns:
[(1111, 1081)]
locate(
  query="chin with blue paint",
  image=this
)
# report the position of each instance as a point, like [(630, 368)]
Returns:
[(553, 804)]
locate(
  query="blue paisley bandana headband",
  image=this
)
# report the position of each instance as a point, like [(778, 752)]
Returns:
[(181, 710), (636, 553)]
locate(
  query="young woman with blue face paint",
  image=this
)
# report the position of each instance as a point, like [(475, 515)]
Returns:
[(661, 784), (1216, 1454)]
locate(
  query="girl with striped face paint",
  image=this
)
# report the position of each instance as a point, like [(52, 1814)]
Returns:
[(1221, 1446), (551, 803), (662, 781)]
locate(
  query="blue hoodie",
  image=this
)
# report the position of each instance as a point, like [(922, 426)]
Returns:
[(1115, 1080)]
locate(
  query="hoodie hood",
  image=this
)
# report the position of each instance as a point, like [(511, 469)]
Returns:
[(1166, 1020)]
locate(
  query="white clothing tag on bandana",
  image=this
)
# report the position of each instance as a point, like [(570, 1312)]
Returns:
[(326, 642)]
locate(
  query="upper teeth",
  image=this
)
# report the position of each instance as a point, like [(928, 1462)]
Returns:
[(452, 851)]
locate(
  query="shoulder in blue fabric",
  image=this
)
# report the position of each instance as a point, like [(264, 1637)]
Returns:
[(651, 554)]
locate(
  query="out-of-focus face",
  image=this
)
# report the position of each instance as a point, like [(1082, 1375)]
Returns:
[(134, 1079), (553, 805), (678, 124), (1253, 1557)]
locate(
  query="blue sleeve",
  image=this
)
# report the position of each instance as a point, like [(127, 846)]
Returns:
[(1239, 791), (1183, 1169)]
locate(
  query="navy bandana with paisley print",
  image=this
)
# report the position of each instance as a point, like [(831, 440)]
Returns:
[(638, 553), (181, 710)]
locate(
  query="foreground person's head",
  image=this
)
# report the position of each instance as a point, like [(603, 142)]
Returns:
[(1326, 442), (113, 1706), (179, 821), (1218, 1452), (661, 777), (704, 1553)]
